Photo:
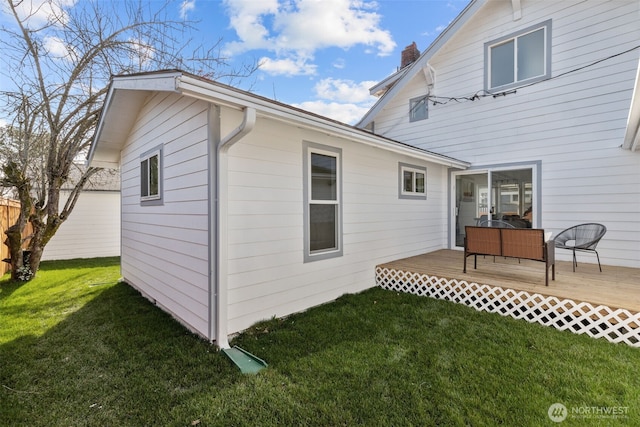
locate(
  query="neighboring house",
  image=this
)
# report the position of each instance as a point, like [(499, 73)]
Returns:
[(236, 208), (93, 228), (543, 99)]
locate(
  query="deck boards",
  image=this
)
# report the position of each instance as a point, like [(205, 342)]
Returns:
[(616, 287)]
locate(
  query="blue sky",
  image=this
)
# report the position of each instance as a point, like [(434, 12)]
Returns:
[(319, 55), (322, 56)]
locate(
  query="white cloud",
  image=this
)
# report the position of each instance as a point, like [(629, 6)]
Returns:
[(436, 31), (298, 28), (286, 67), (57, 48), (246, 18), (185, 7), (345, 90), (345, 113), (36, 13), (343, 100), (141, 53), (339, 63)]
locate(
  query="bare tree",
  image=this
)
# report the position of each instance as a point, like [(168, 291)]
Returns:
[(57, 61)]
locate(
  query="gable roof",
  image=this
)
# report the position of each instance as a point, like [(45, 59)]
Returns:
[(127, 93), (394, 83), (402, 79)]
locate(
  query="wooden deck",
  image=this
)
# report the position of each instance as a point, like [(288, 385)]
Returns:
[(615, 287)]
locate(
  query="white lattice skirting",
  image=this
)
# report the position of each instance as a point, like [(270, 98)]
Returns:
[(615, 325)]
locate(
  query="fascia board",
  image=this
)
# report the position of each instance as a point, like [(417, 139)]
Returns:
[(96, 136), (414, 68), (121, 86), (387, 82), (160, 81), (211, 92)]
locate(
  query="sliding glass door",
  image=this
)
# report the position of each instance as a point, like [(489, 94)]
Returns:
[(493, 197)]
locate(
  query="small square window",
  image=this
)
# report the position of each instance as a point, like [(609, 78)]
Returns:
[(413, 181), (418, 108), (150, 175)]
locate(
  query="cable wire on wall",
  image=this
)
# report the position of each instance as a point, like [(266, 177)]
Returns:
[(442, 100)]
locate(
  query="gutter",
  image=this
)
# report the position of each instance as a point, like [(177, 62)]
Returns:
[(206, 90), (218, 207)]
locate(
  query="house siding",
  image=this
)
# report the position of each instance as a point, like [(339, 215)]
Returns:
[(573, 124), (165, 251), (267, 273), (92, 230)]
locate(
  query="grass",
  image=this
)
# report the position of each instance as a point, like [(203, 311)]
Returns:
[(78, 348)]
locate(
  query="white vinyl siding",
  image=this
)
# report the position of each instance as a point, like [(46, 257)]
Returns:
[(92, 230), (165, 247), (267, 273), (573, 124)]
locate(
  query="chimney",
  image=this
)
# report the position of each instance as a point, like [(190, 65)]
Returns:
[(409, 55)]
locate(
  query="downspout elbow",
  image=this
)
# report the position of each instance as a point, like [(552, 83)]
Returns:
[(247, 125)]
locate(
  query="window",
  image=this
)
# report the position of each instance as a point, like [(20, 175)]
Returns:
[(517, 59), (150, 175), (413, 182), (323, 202), (418, 108)]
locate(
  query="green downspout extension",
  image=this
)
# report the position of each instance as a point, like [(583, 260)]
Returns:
[(247, 362)]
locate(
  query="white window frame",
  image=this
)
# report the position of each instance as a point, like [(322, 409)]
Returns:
[(414, 194), (145, 158), (310, 148), (546, 57), (413, 103)]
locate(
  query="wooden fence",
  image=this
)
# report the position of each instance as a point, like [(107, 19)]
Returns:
[(9, 211)]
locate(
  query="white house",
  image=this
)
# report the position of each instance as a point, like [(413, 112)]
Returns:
[(93, 228), (236, 208), (542, 98)]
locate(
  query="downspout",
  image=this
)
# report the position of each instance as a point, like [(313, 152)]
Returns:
[(219, 238)]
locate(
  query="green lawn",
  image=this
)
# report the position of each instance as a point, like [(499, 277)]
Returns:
[(78, 348)]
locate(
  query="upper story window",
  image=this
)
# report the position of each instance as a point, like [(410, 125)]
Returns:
[(413, 181), (519, 58), (418, 108), (323, 202), (150, 175)]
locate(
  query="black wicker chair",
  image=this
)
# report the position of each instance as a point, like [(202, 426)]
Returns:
[(581, 238)]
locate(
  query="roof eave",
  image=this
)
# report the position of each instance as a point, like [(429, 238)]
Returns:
[(230, 97), (128, 92), (123, 99), (381, 87)]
